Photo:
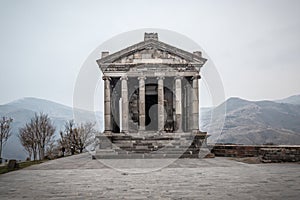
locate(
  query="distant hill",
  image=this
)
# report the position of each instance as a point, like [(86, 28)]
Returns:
[(23, 110), (254, 122), (295, 99), (246, 122)]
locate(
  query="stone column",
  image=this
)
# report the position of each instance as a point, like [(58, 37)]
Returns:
[(124, 95), (190, 106), (161, 109), (195, 105), (178, 102), (107, 104), (142, 102)]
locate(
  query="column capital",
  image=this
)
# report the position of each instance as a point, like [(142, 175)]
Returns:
[(178, 77), (196, 77), (160, 78), (142, 78), (106, 78), (124, 78)]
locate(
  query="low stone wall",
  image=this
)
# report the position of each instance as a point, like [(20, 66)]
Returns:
[(267, 153), (285, 154), (235, 150)]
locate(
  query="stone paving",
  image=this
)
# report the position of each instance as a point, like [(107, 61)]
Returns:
[(80, 177)]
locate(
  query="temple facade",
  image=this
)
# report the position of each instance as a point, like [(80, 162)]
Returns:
[(150, 88)]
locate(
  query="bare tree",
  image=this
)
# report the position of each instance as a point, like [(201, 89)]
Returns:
[(83, 135), (52, 150), (26, 143), (45, 134), (66, 135), (37, 135), (28, 140), (5, 131), (77, 137)]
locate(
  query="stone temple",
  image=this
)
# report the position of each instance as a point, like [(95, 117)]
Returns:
[(151, 101)]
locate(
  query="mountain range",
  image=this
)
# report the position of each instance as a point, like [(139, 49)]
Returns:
[(22, 110), (234, 121), (253, 122)]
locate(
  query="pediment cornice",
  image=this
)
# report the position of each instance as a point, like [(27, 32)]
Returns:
[(152, 44)]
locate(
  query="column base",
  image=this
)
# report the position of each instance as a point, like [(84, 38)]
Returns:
[(104, 140), (125, 132), (196, 131), (107, 132)]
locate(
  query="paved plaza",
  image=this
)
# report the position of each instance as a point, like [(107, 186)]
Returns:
[(80, 177)]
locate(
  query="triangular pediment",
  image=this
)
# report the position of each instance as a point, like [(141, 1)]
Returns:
[(151, 54), (152, 51)]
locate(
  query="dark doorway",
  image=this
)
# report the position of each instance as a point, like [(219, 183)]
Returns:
[(151, 112), (115, 109)]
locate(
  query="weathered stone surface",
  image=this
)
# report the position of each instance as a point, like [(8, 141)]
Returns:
[(79, 177), (142, 102), (167, 145), (107, 104), (286, 154), (268, 153)]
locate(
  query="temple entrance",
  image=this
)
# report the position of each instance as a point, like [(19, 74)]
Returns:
[(151, 112), (151, 101)]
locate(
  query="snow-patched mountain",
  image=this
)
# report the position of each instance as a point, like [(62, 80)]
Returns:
[(295, 99), (253, 122), (23, 110), (234, 121)]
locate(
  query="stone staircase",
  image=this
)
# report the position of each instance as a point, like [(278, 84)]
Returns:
[(149, 145)]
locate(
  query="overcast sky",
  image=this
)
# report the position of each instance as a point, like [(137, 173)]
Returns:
[(254, 44)]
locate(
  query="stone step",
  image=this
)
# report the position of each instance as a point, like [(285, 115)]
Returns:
[(120, 156), (134, 148), (151, 146), (150, 138), (145, 156), (166, 142), (156, 152)]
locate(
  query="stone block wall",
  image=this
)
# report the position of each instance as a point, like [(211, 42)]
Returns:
[(235, 151), (286, 154), (267, 153)]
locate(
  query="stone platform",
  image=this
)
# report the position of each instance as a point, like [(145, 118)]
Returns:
[(149, 145), (80, 177)]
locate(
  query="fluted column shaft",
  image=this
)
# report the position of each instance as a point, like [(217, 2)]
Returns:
[(161, 110), (178, 103), (142, 102), (107, 104), (124, 95), (195, 105)]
